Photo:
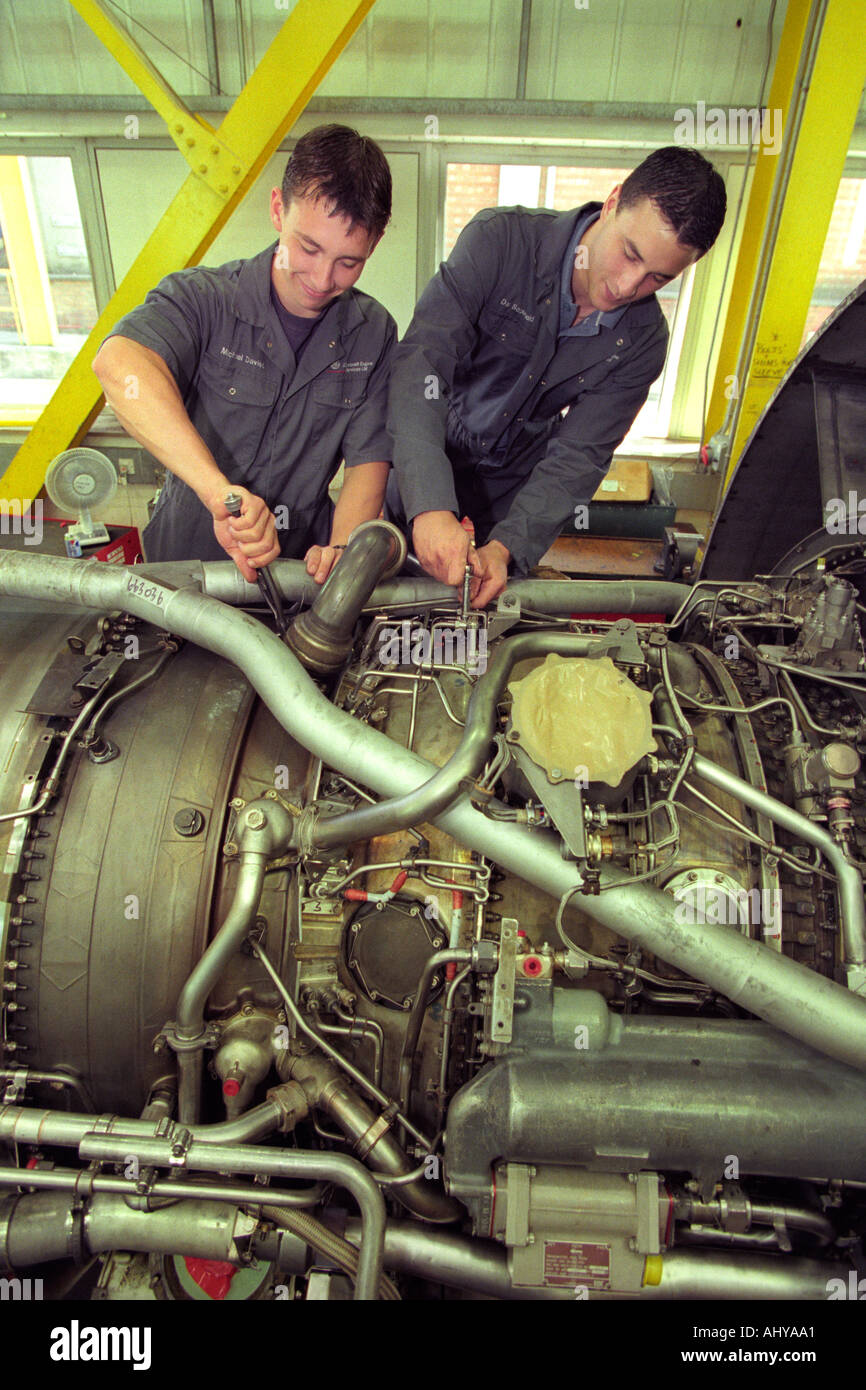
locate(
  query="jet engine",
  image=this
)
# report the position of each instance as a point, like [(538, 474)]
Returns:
[(517, 953)]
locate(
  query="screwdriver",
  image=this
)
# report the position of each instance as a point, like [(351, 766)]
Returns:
[(270, 592)]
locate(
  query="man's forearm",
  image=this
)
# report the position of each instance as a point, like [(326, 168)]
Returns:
[(145, 398), (361, 498)]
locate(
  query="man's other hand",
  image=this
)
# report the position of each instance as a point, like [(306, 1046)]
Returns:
[(443, 547), (320, 560), (493, 559), (249, 539)]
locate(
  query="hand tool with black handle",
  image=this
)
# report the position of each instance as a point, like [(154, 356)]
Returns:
[(270, 592)]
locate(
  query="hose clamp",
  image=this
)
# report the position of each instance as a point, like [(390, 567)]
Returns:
[(378, 1128)]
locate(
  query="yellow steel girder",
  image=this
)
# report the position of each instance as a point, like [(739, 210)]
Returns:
[(784, 246), (782, 97), (29, 289), (289, 72)]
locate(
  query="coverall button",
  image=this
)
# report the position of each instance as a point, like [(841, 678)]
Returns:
[(232, 391), (620, 341), (269, 344), (332, 344)]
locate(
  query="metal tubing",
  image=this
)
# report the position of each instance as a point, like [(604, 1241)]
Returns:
[(481, 1266), (357, 1076), (774, 987), (279, 1163), (221, 579), (39, 1226), (172, 1190), (849, 878), (206, 972), (29, 1076), (430, 800), (23, 1125), (437, 961), (329, 1091), (322, 636)]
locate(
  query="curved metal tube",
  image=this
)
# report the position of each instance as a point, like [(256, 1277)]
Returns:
[(849, 878), (774, 987), (206, 972), (280, 1163), (322, 636), (23, 1125), (437, 961), (426, 802), (221, 579), (329, 1091), (170, 1190)]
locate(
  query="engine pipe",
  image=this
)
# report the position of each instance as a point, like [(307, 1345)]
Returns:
[(322, 636), (774, 987), (425, 803), (330, 1092), (849, 878), (280, 1163), (263, 828), (437, 961), (222, 580), (25, 1125)]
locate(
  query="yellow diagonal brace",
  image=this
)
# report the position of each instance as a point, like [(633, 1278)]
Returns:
[(30, 288), (829, 109), (199, 144), (782, 95), (270, 103)]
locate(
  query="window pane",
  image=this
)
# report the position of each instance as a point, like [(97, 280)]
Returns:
[(47, 304), (843, 260)]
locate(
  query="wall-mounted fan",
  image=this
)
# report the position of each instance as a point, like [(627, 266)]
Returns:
[(76, 481)]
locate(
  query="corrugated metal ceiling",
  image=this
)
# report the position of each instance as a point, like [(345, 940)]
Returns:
[(610, 51)]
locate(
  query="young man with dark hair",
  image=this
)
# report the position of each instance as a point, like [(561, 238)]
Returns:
[(529, 356), (259, 376)]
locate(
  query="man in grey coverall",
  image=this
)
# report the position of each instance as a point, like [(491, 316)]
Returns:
[(258, 377), (530, 354)]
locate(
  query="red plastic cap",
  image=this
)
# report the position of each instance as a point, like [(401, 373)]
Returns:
[(214, 1277), (231, 1086), (532, 966)]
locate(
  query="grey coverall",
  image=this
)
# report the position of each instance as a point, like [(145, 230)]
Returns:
[(278, 427), (481, 378)]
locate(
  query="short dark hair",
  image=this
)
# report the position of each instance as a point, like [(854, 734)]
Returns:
[(348, 170), (685, 188)]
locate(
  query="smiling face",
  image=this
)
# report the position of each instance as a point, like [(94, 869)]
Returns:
[(318, 256), (632, 252)]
